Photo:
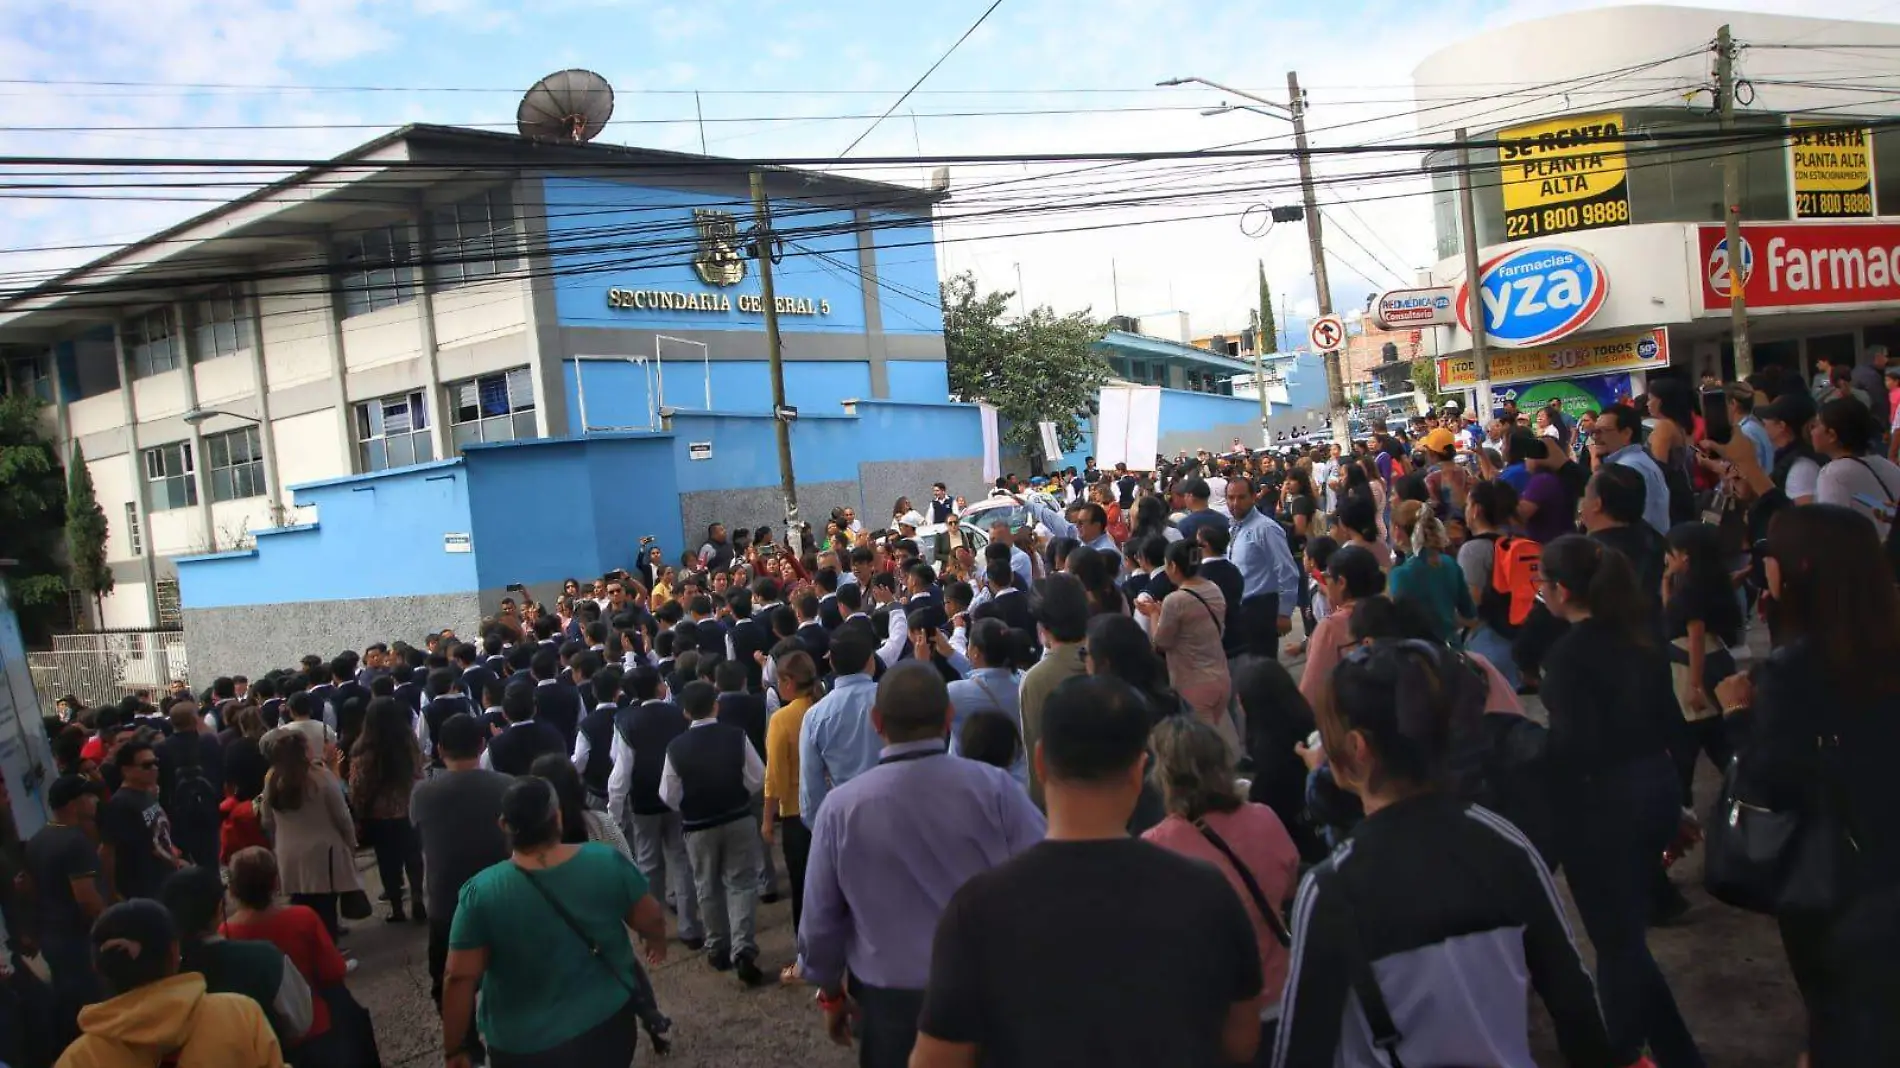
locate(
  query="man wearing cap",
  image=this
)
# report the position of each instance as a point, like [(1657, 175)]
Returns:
[(71, 891), (1796, 469)]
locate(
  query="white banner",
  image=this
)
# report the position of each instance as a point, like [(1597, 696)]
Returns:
[(992, 446), (1051, 444), (1128, 430)]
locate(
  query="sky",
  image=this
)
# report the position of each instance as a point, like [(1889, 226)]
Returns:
[(771, 80)]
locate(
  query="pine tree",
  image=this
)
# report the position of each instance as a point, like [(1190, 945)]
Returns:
[(1268, 337), (86, 531)]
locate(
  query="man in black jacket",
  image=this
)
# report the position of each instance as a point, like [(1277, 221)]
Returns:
[(748, 636), (1216, 568), (514, 750), (444, 701), (641, 734), (555, 704), (812, 632)]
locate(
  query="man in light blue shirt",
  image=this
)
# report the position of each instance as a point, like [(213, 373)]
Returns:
[(991, 687), (889, 851), (1270, 580), (1619, 441), (837, 742), (1018, 559), (1741, 413), (1090, 526)]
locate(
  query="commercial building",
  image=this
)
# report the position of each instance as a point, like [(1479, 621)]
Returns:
[(1603, 147), (315, 386)]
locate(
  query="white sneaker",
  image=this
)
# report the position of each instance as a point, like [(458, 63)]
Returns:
[(350, 966)]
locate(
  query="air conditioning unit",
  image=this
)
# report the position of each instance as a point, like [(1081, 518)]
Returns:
[(1127, 324)]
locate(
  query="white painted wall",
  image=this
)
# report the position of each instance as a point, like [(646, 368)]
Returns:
[(1576, 48), (296, 332), (235, 521), (125, 607), (308, 450), (176, 532), (94, 414), (1652, 281), (113, 486), (223, 379), (159, 396), (382, 337), (481, 311)]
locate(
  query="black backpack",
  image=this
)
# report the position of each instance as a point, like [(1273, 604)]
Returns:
[(195, 798)]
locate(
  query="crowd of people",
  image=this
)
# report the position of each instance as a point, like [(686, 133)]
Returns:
[(1053, 798)]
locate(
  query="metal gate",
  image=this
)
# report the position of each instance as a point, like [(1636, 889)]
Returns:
[(100, 668)]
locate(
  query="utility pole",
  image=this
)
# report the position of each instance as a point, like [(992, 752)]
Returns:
[(1732, 203), (1474, 291), (762, 220), (1260, 387), (1335, 382)]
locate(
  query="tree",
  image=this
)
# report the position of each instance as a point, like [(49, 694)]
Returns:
[(1268, 335), (32, 511), (1039, 368), (1425, 380), (86, 532)]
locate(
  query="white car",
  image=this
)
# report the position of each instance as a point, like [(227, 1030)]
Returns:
[(933, 541)]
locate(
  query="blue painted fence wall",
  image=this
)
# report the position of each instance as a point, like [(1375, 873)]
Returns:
[(379, 535), (621, 394)]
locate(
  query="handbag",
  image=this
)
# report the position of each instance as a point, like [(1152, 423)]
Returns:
[(1267, 910), (1779, 861), (350, 904)]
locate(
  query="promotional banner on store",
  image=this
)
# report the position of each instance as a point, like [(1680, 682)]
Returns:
[(1803, 266), (1647, 351)]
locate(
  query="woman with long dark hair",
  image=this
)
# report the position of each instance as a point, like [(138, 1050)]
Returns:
[(1671, 443), (1151, 521), (1703, 622), (309, 821), (1430, 885), (1095, 570), (1614, 794), (1358, 525), (544, 934), (385, 765), (1817, 728)]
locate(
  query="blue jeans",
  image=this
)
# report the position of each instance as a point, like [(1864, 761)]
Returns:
[(1496, 648), (1611, 834)]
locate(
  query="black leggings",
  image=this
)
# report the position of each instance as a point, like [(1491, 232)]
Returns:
[(611, 1042), (398, 851), (324, 905), (795, 838)]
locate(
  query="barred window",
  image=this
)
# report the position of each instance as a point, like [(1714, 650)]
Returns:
[(149, 340), (132, 533), (170, 481), (237, 464), (224, 324), (374, 270), (393, 432), (473, 239), (497, 407)]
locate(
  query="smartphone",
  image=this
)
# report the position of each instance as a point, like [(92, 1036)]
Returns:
[(1715, 415), (516, 587)]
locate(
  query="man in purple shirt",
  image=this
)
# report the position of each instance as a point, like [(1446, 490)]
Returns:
[(1546, 506), (888, 850)]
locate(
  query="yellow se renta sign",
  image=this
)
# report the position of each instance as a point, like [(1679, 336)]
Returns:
[(1563, 175), (1833, 172)]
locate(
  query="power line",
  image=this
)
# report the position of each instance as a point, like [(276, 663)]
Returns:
[(994, 4)]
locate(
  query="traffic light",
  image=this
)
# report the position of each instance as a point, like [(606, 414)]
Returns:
[(1291, 213)]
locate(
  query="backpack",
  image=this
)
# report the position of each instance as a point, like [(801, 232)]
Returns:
[(195, 799), (1516, 568)]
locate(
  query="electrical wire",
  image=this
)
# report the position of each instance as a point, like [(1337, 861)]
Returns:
[(958, 43)]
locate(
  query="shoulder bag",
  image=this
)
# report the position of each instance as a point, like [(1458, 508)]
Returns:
[(1786, 861), (1268, 911), (640, 995)]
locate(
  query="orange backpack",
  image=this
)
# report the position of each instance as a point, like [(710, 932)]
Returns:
[(1516, 570)]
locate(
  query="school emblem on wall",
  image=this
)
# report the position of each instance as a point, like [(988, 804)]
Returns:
[(717, 261)]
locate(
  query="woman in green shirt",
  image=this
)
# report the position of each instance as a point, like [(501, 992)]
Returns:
[(1429, 577), (535, 931)]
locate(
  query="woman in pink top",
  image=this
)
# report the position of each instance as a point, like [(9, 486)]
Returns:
[(1352, 575), (1208, 819)]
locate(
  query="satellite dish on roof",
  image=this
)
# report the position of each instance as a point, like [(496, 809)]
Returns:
[(569, 105)]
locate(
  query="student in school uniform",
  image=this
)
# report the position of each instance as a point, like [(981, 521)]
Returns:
[(711, 773)]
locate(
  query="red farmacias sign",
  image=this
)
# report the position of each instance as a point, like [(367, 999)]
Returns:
[(1804, 265)]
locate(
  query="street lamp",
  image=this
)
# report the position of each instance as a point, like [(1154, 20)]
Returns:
[(197, 416), (1295, 112)]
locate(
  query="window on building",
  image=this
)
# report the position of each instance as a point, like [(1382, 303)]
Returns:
[(31, 376), (171, 614), (149, 340), (393, 432), (373, 271), (133, 535), (237, 464), (224, 324), (498, 407), (472, 238), (169, 478)]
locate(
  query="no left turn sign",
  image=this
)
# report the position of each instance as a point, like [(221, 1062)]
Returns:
[(1327, 333)]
